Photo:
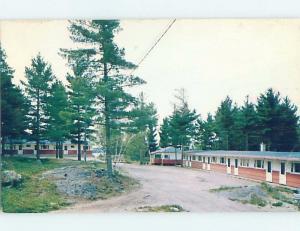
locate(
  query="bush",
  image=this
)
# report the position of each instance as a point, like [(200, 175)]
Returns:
[(277, 204), (256, 200)]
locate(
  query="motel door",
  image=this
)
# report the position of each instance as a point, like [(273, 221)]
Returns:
[(282, 174), (269, 172), (236, 168), (208, 163), (228, 166)]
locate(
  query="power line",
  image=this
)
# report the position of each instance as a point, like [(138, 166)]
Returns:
[(154, 45)]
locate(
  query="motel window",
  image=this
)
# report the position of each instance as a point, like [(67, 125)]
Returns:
[(282, 168), (72, 146), (157, 156), (194, 157), (222, 160), (199, 158), (166, 157), (259, 164), (20, 147), (203, 159), (35, 147), (244, 162), (296, 167), (214, 159), (28, 145), (45, 146), (66, 147)]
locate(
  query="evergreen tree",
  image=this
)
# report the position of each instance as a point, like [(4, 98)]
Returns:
[(278, 121), (81, 93), (152, 141), (288, 126), (14, 106), (39, 79), (225, 125), (247, 123), (144, 120), (165, 133), (112, 82), (205, 133), (57, 107), (82, 112)]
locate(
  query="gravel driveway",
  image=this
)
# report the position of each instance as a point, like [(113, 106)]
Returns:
[(161, 185)]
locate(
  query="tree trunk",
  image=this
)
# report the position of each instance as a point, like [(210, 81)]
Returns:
[(78, 137), (107, 128), (10, 147), (181, 152), (176, 155), (61, 151), (56, 149), (79, 150), (38, 126), (3, 146), (246, 141)]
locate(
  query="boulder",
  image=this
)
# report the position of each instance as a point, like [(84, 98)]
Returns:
[(10, 178)]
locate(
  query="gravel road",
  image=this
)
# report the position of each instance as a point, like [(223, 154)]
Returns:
[(161, 185)]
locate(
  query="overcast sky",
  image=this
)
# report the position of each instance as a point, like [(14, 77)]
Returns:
[(209, 58)]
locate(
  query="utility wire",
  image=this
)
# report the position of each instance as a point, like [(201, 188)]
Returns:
[(154, 45)]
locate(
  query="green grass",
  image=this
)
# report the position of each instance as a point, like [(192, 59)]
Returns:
[(256, 200), (224, 188), (277, 204), (35, 194), (162, 208), (279, 193)]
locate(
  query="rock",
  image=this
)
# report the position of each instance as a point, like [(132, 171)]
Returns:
[(101, 172), (10, 178)]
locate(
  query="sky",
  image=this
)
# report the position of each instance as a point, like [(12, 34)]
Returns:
[(209, 58)]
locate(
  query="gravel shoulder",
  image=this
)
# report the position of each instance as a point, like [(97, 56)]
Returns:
[(188, 188)]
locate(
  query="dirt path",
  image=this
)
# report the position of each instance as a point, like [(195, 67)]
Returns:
[(161, 185)]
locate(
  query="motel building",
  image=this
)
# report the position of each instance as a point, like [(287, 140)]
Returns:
[(46, 148), (166, 156), (276, 167)]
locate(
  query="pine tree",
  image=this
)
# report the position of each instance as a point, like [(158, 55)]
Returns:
[(153, 146), (82, 112), (205, 133), (247, 122), (289, 124), (225, 124), (81, 93), (144, 120), (14, 106), (165, 133), (278, 121), (57, 108), (39, 79), (113, 80)]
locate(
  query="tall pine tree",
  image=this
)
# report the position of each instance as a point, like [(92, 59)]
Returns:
[(38, 87), (81, 93), (14, 106), (59, 119), (112, 79), (165, 133)]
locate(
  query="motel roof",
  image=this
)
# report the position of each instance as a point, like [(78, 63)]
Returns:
[(240, 154), (249, 154)]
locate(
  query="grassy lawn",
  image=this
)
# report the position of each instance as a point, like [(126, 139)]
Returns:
[(39, 194)]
